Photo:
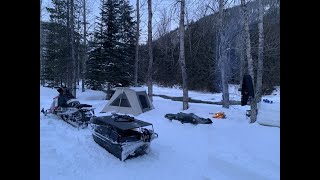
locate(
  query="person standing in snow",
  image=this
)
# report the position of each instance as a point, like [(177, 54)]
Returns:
[(62, 100), (247, 92)]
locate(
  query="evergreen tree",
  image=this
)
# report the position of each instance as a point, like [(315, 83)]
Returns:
[(56, 49), (126, 40), (112, 57), (57, 52), (110, 15), (95, 74)]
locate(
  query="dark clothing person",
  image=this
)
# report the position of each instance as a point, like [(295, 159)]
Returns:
[(247, 92), (62, 100), (67, 93)]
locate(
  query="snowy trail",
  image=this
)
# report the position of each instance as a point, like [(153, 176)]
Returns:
[(227, 149)]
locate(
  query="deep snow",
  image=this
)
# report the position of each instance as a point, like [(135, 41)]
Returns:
[(227, 149)]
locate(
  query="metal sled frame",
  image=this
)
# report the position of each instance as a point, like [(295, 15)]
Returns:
[(122, 147)]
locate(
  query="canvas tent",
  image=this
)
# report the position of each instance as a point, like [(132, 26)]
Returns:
[(129, 101)]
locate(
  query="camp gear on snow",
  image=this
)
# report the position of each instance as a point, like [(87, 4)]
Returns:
[(123, 136), (267, 101), (129, 101), (188, 118), (247, 91)]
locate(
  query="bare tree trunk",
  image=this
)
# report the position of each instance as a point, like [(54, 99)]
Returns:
[(74, 85), (260, 54), (78, 62), (223, 58), (101, 29), (149, 74), (69, 82), (242, 59), (247, 39), (41, 46), (85, 46), (189, 38), (217, 55), (190, 43), (78, 52), (182, 57), (253, 103), (137, 47), (101, 32)]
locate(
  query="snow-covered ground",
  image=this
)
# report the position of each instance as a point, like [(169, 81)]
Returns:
[(227, 149)]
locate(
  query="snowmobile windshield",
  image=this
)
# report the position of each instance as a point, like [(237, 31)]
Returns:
[(54, 103)]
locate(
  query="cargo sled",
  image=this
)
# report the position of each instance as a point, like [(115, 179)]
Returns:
[(123, 136)]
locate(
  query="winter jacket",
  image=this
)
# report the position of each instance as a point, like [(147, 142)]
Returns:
[(62, 100), (247, 90), (67, 94)]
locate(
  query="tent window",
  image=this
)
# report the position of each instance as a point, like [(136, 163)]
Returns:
[(143, 101), (124, 101)]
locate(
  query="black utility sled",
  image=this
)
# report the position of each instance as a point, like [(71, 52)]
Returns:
[(76, 114), (123, 136)]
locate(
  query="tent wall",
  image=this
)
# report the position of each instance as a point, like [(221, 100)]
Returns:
[(134, 101)]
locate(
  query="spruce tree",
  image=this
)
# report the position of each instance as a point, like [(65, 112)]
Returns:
[(126, 39), (56, 49), (95, 74), (112, 56)]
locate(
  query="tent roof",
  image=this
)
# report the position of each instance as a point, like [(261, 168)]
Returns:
[(122, 123), (137, 89), (135, 102)]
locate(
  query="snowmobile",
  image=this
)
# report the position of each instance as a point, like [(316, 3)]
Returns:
[(121, 135), (76, 114)]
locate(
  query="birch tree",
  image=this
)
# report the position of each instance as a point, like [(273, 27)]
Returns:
[(74, 80), (84, 44), (253, 103), (149, 74), (69, 81), (260, 53), (41, 46), (182, 57), (242, 57), (78, 46), (223, 57), (137, 46)]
